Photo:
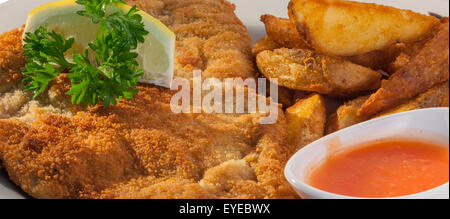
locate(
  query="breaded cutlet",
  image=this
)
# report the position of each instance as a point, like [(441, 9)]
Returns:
[(140, 148)]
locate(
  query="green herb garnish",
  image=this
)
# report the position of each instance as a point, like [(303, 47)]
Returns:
[(115, 71)]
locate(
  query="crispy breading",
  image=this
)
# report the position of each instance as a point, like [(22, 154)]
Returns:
[(264, 44), (345, 28), (307, 70), (428, 68), (209, 37), (305, 121), (11, 58), (346, 115), (140, 148), (285, 95), (101, 152), (283, 32), (437, 96)]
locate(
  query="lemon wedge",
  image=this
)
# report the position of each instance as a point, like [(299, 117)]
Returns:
[(156, 54)]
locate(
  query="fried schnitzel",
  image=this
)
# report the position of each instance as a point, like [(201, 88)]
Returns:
[(209, 37), (140, 149)]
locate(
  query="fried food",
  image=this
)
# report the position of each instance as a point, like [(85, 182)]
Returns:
[(286, 96), (378, 59), (11, 59), (306, 121), (346, 115), (428, 68), (264, 44), (345, 28), (437, 96), (140, 148), (102, 153), (307, 70), (209, 37), (409, 50), (283, 32)]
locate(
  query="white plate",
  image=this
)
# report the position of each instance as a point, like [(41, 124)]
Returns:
[(13, 14)]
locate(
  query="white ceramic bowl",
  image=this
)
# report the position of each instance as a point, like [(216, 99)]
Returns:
[(427, 124), (13, 14)]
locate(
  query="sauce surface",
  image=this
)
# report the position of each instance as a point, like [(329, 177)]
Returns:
[(384, 169)]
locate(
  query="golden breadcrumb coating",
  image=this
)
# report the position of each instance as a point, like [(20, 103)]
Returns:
[(104, 153), (11, 58), (140, 148)]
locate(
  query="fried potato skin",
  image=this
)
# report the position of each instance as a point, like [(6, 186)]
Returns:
[(411, 49), (345, 28), (283, 32), (428, 68), (346, 115), (437, 96), (306, 70), (305, 121), (378, 59), (264, 44)]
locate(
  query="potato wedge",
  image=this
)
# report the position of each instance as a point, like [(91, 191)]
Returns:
[(307, 70), (305, 121), (378, 59), (437, 96), (285, 95), (409, 50), (428, 68), (347, 115), (283, 32), (344, 28), (264, 44)]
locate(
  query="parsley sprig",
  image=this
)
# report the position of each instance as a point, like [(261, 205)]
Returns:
[(108, 77)]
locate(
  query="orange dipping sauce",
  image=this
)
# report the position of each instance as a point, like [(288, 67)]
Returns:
[(384, 169)]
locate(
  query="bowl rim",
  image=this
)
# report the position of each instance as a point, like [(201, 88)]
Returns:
[(300, 185)]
